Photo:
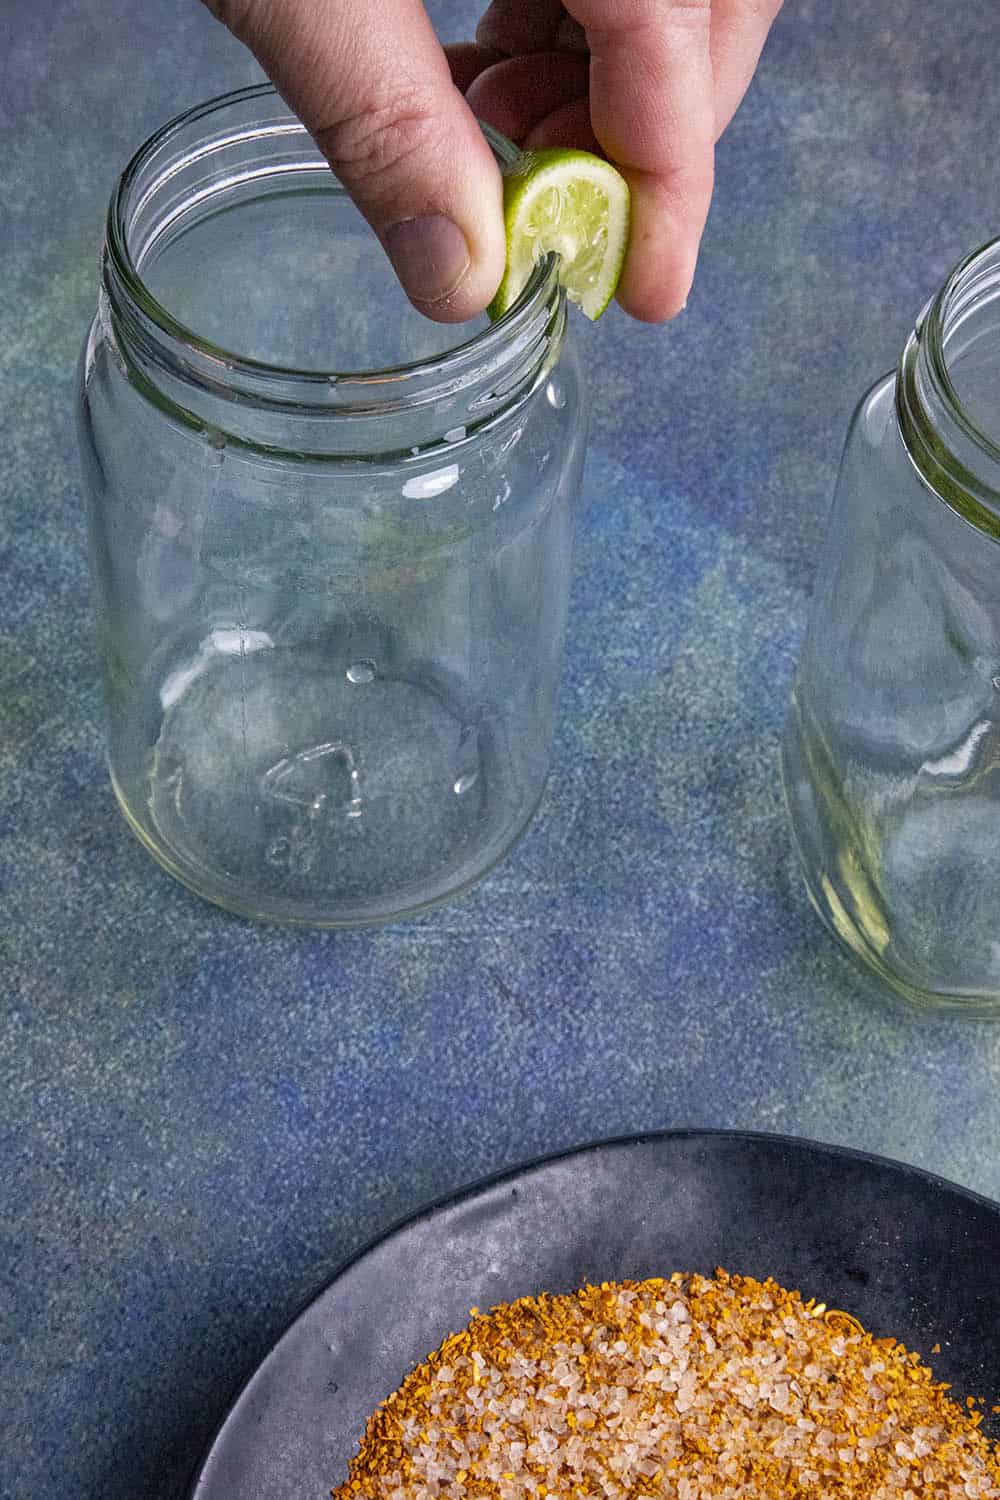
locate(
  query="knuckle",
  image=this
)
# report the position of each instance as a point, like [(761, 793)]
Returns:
[(690, 20), (762, 10), (383, 136)]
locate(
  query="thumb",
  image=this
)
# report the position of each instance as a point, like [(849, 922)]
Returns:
[(371, 83)]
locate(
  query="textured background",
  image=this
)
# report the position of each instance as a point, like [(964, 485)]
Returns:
[(199, 1118)]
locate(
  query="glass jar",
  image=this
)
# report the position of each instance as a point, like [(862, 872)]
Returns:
[(330, 606), (892, 748)]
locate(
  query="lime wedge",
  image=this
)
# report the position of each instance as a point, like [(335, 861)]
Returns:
[(575, 205)]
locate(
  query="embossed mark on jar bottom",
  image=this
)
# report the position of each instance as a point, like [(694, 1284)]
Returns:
[(344, 772)]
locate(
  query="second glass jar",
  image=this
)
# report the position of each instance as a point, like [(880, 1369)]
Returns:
[(892, 749)]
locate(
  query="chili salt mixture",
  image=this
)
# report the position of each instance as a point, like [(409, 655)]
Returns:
[(691, 1387)]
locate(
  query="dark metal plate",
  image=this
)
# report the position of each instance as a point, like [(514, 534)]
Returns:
[(908, 1254)]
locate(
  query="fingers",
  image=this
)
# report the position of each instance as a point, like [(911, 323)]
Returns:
[(665, 78), (371, 83), (515, 26), (466, 61), (570, 36), (739, 31), (517, 93), (653, 111), (568, 126)]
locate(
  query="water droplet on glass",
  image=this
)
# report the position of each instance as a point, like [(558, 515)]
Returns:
[(556, 395), (360, 672)]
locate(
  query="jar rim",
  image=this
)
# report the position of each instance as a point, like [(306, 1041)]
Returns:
[(955, 457), (540, 290), (936, 326)]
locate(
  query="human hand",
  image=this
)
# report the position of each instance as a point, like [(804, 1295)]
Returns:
[(651, 84)]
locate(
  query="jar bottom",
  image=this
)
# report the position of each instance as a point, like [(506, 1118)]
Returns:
[(844, 864), (326, 788), (979, 1007)]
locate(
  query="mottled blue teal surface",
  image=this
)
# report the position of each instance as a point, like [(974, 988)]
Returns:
[(199, 1118)]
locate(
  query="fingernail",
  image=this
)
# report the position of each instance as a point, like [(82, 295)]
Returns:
[(429, 254)]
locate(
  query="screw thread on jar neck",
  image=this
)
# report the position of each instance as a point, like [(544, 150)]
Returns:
[(948, 391), (239, 150)]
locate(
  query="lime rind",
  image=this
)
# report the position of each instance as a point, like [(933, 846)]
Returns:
[(571, 204)]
